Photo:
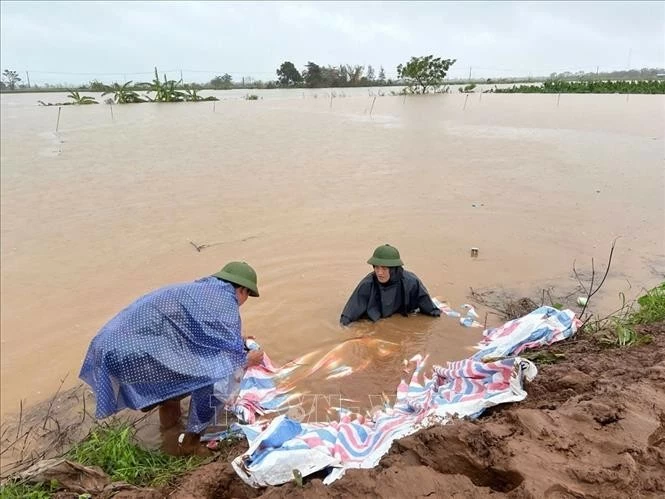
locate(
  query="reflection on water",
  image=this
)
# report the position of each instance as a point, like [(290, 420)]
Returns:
[(105, 210)]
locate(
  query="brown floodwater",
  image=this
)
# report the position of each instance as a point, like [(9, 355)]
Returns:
[(304, 187)]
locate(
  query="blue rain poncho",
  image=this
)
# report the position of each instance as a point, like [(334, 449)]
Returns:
[(174, 341)]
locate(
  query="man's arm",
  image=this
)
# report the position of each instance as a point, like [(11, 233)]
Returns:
[(425, 303), (357, 304)]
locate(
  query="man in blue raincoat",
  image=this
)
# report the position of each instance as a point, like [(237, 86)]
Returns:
[(176, 341)]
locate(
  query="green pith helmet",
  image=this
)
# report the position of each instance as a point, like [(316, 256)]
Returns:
[(386, 256), (241, 274)]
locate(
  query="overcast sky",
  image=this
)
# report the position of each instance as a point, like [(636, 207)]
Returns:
[(117, 40)]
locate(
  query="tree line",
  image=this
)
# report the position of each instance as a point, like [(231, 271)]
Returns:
[(420, 75), (344, 75)]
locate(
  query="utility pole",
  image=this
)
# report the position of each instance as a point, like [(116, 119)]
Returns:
[(470, 68), (27, 77), (181, 75)]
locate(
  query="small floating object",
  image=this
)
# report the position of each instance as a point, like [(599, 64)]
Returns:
[(474, 252), (445, 308), (471, 316), (471, 312)]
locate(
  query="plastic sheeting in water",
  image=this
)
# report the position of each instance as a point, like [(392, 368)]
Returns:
[(492, 376)]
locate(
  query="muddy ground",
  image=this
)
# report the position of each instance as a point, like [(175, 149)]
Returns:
[(593, 425)]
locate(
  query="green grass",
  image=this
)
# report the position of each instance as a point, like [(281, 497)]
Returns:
[(620, 331), (114, 449), (23, 491), (588, 87), (652, 307)]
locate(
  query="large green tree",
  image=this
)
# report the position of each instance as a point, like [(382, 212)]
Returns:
[(222, 82), (11, 77), (312, 74), (288, 74), (423, 73)]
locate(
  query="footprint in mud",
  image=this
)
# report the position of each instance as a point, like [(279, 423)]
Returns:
[(496, 479), (461, 451), (603, 414)]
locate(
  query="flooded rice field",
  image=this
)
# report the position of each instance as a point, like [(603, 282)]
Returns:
[(303, 187)]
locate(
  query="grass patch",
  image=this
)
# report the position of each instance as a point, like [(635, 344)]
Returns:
[(619, 331), (652, 307), (24, 491), (622, 334), (114, 449)]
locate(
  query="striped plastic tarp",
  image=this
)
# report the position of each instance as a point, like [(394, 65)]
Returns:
[(494, 375)]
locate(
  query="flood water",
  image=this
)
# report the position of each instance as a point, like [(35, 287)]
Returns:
[(303, 188)]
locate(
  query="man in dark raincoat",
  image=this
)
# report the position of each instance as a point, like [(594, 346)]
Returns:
[(389, 289), (174, 342)]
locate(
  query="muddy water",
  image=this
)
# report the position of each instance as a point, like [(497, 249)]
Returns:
[(104, 211)]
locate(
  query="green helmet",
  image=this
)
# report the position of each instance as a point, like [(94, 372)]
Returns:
[(386, 256), (240, 273)]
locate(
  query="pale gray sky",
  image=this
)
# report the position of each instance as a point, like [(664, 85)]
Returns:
[(56, 41)]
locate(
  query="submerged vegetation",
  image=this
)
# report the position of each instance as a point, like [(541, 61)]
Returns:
[(123, 94), (76, 100), (81, 99), (588, 87), (163, 91), (423, 73)]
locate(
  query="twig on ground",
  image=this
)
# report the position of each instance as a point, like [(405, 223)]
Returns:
[(20, 418), (590, 292), (48, 411)]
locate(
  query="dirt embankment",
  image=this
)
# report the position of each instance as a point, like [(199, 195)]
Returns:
[(593, 425)]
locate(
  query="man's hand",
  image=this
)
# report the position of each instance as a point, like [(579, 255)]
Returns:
[(254, 358)]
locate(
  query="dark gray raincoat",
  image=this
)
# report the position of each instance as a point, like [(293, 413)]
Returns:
[(403, 293)]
